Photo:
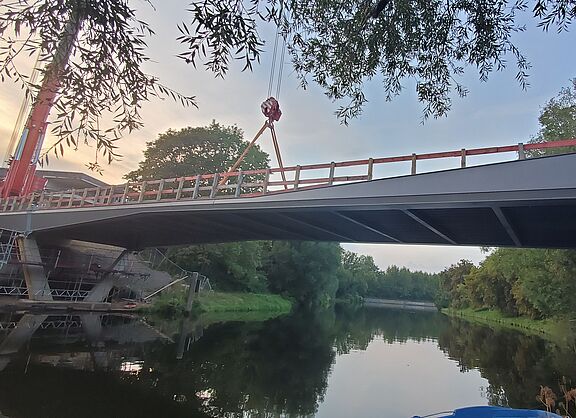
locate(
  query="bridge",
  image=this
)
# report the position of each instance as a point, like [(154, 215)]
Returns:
[(528, 202), (523, 203)]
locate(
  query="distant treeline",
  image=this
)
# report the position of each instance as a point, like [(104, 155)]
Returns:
[(311, 273), (360, 277)]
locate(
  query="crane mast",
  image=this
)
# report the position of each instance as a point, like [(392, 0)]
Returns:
[(21, 176)]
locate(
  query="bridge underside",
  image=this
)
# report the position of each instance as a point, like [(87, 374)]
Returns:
[(528, 203)]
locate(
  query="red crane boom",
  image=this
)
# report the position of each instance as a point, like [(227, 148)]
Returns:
[(20, 178)]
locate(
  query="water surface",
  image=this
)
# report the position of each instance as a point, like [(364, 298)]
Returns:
[(349, 363)]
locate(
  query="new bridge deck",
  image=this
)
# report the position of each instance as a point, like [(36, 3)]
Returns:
[(524, 203)]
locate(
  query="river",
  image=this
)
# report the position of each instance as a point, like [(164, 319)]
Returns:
[(344, 363)]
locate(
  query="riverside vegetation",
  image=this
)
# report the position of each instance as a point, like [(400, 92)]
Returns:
[(285, 275)]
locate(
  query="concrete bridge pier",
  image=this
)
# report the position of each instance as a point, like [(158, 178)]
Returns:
[(92, 327), (102, 289), (19, 336), (33, 269)]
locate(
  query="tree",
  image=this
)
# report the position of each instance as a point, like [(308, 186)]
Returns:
[(190, 151), (356, 275), (558, 120), (339, 44), (305, 271), (451, 280), (360, 277), (234, 266)]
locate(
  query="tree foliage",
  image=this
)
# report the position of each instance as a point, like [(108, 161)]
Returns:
[(341, 44), (201, 150), (558, 120), (401, 283), (102, 90), (305, 271), (360, 277), (235, 266), (450, 283), (530, 282), (356, 275)]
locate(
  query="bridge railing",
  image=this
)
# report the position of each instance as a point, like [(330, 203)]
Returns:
[(246, 183)]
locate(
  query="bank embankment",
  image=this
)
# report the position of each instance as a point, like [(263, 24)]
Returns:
[(173, 303), (558, 330), (410, 305)]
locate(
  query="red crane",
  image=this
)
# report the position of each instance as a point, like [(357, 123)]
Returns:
[(20, 178)]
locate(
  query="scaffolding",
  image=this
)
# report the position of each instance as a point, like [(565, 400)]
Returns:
[(7, 241)]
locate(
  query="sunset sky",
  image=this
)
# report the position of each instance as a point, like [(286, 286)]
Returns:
[(498, 112)]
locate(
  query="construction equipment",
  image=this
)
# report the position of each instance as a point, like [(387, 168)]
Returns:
[(271, 109), (20, 179)]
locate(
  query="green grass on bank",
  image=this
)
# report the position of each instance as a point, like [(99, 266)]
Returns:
[(172, 303), (557, 330), (242, 302)]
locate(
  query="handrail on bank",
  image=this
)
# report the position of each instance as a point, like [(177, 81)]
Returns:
[(243, 184)]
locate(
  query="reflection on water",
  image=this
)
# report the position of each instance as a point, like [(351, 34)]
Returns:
[(351, 363), (515, 364)]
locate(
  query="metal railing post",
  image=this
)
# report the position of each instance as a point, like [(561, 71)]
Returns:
[(84, 195), (331, 174), (296, 177), (41, 199), (370, 168), (413, 169), (125, 193), (521, 152), (142, 191), (239, 184), (160, 188), (214, 190), (180, 187), (266, 181), (31, 201), (463, 158), (96, 195), (197, 187)]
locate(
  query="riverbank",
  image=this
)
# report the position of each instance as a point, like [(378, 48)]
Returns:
[(173, 303), (410, 305), (242, 302), (556, 330)]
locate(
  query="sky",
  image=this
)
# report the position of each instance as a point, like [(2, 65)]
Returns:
[(497, 112)]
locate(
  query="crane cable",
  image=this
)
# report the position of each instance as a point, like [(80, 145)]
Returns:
[(273, 64), (280, 66), (271, 110), (278, 86)]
